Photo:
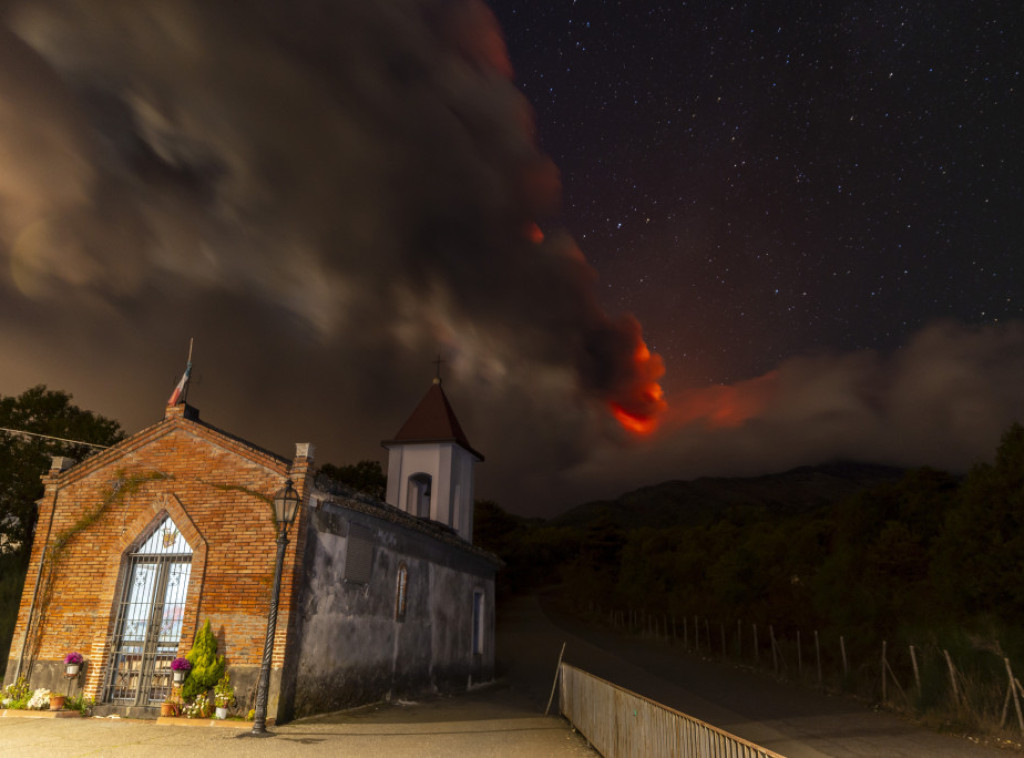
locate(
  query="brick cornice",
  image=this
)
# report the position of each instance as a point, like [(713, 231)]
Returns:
[(161, 429)]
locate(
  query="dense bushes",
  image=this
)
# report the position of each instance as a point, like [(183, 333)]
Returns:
[(921, 560)]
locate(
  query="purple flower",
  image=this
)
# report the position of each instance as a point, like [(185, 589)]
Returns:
[(181, 664), (73, 659)]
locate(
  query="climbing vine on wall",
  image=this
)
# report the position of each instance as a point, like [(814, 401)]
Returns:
[(124, 486)]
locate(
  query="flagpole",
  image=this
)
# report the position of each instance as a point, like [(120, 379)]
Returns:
[(188, 367)]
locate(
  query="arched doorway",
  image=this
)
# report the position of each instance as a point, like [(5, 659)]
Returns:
[(150, 612)]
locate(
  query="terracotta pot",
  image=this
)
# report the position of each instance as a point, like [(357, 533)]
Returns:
[(57, 702), (166, 709)]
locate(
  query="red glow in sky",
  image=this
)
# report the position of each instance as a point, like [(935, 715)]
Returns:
[(640, 411), (724, 406)]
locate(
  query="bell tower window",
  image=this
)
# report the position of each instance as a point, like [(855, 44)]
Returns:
[(418, 496)]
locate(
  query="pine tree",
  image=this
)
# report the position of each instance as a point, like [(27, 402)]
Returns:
[(207, 667)]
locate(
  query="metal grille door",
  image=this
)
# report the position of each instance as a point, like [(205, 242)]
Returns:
[(149, 618)]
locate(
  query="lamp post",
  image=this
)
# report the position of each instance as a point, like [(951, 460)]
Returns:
[(286, 505)]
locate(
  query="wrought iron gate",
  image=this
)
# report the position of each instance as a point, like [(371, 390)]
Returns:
[(149, 618)]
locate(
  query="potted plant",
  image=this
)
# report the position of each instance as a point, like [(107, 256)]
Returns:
[(223, 696), (57, 701), (180, 668), (72, 664), (199, 708), (171, 706)]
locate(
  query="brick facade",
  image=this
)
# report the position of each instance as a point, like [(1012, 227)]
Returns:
[(217, 489)]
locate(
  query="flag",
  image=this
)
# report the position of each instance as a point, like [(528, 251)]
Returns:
[(179, 391)]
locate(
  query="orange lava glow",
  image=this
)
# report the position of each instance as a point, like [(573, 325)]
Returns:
[(644, 402), (534, 233), (636, 424)]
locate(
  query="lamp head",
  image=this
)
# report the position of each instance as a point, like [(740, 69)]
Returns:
[(286, 504)]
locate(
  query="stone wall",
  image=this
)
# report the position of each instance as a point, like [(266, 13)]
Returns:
[(352, 649)]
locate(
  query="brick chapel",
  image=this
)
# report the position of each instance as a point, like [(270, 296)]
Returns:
[(138, 545)]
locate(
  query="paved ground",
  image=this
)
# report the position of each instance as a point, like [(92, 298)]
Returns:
[(507, 719), (489, 722), (503, 721)]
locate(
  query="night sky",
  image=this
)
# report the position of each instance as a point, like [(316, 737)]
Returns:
[(760, 180), (803, 222)]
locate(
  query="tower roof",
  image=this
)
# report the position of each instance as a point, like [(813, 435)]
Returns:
[(433, 421)]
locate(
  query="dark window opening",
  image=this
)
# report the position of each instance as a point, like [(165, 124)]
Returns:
[(419, 495)]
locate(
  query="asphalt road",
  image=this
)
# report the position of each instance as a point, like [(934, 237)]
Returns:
[(791, 720)]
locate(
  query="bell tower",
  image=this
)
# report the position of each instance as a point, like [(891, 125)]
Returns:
[(430, 465)]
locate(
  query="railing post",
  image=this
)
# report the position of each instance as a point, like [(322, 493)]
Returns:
[(817, 654), (883, 670)]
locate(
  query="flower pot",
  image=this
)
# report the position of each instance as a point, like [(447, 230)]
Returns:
[(179, 676), (72, 669), (57, 702), (222, 713), (166, 709)]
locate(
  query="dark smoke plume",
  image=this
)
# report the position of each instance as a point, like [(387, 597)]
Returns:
[(325, 193)]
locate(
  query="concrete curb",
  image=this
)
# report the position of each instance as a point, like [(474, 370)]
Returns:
[(221, 723), (27, 714)]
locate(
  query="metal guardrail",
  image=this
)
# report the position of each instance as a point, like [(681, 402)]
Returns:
[(620, 723)]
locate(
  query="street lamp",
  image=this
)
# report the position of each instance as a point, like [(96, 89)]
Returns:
[(286, 505)]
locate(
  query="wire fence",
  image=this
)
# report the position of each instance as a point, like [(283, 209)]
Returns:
[(980, 688)]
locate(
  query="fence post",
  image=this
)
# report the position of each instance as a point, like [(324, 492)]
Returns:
[(952, 677), (686, 634), (799, 657), (554, 684), (842, 649), (883, 670), (696, 633), (1013, 689), (775, 655), (917, 673), (817, 654), (707, 633)]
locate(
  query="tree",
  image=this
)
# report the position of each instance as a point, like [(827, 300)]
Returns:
[(207, 666), (365, 476), (979, 555), (24, 459)]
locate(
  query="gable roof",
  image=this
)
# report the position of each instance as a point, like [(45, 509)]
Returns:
[(178, 417), (433, 421)]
